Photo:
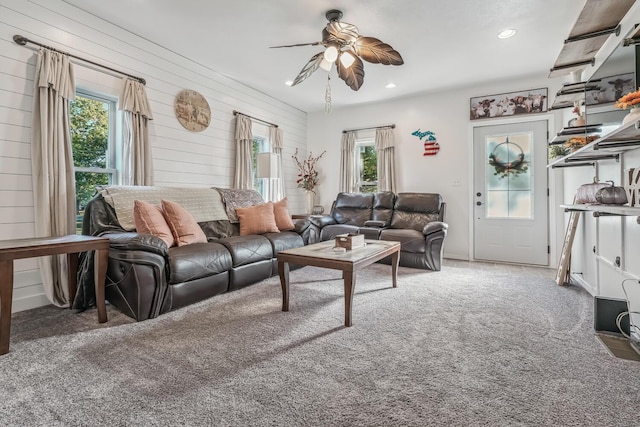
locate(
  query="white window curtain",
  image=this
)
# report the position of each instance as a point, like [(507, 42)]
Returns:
[(277, 146), (137, 165), (54, 195), (348, 162), (385, 147), (244, 137)]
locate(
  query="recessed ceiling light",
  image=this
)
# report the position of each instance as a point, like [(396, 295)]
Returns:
[(390, 85), (507, 33), (289, 82)]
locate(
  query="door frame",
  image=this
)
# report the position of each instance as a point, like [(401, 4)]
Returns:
[(555, 220)]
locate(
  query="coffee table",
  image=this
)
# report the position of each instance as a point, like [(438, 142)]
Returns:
[(323, 255)]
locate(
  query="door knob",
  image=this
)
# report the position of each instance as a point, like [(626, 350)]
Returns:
[(478, 194), (478, 203)]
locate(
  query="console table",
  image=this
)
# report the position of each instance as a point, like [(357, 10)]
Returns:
[(11, 250)]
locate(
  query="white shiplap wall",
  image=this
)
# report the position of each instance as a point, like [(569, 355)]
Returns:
[(180, 157)]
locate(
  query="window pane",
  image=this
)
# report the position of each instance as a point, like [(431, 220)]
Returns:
[(89, 132), (367, 168), (497, 204), (509, 181), (520, 205)]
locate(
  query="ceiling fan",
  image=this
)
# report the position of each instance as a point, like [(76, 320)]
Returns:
[(346, 47)]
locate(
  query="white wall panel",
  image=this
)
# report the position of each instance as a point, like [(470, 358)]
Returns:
[(16, 150), (181, 158), (15, 182), (11, 132)]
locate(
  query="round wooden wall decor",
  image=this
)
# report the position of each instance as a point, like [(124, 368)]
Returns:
[(192, 110)]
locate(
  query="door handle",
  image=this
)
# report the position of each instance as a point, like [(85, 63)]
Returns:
[(478, 203)]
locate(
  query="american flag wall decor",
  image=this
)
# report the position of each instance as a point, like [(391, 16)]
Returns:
[(431, 146)]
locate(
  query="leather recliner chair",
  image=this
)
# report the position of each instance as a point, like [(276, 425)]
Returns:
[(416, 220)]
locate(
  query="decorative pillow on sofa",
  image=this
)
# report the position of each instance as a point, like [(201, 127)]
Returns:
[(183, 226), (234, 198), (150, 220), (281, 213), (257, 219)]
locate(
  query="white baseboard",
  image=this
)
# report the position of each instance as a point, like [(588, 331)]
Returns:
[(27, 303), (580, 281), (459, 257)]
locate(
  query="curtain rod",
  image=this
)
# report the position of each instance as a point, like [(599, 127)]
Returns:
[(235, 113), (22, 41), (372, 127)]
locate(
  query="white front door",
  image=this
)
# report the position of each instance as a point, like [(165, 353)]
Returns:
[(510, 193)]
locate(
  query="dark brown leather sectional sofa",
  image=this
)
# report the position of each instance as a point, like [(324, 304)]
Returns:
[(416, 220), (145, 278)]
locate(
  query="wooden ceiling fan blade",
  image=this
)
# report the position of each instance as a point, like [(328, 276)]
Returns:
[(309, 68), (296, 45), (376, 51), (353, 75), (347, 33), (328, 38)]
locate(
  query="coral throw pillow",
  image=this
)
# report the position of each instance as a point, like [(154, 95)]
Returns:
[(149, 219), (281, 213), (184, 228), (257, 219)]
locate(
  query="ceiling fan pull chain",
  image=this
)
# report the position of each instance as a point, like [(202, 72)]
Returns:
[(327, 96)]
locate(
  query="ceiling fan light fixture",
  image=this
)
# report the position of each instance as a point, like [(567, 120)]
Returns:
[(343, 41), (331, 53), (289, 82), (347, 59), (326, 65)]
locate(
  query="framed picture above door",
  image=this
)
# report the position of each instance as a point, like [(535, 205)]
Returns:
[(530, 101)]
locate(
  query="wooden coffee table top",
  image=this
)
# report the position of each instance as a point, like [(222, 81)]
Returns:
[(323, 251)]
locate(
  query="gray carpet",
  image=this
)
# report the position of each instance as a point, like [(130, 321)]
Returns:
[(457, 347)]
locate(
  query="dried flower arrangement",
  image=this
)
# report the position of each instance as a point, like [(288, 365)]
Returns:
[(578, 142), (307, 174), (629, 100)]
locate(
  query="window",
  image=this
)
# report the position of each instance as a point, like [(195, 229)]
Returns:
[(93, 140), (366, 166), (260, 145), (509, 176)]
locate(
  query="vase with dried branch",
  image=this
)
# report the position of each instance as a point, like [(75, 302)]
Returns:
[(307, 176)]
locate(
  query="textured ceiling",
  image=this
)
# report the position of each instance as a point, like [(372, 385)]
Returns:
[(444, 43)]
